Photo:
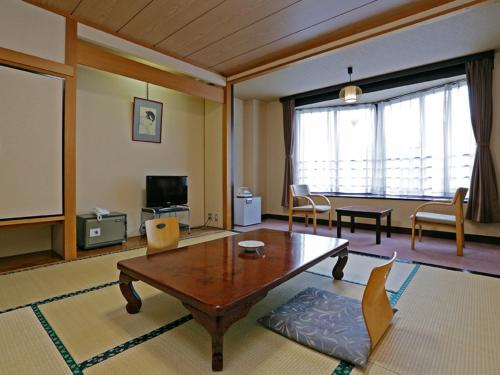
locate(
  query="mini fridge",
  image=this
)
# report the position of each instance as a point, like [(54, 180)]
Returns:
[(247, 211)]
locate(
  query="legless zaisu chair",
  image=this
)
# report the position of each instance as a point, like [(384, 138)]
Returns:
[(455, 221), (301, 192), (336, 325), (162, 234)]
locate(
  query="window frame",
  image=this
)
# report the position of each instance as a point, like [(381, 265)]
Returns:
[(422, 198)]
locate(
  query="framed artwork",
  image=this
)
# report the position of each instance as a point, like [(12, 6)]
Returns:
[(147, 120)]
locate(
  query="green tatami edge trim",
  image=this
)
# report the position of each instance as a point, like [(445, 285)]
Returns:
[(73, 366), (344, 368), (61, 296), (134, 342)]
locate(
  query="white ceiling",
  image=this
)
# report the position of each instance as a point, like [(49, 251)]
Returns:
[(378, 96), (468, 32)]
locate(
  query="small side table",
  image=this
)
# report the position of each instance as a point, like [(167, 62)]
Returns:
[(367, 212), (148, 213)]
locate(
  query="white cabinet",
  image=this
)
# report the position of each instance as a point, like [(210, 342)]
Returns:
[(247, 211)]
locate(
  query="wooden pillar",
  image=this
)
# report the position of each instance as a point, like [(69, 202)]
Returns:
[(69, 245), (227, 159)]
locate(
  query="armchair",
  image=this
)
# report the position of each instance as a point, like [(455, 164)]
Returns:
[(301, 192), (456, 221)]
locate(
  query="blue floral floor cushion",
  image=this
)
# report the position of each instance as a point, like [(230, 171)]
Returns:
[(323, 321)]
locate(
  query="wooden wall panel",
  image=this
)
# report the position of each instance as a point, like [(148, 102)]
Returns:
[(98, 58), (227, 160), (39, 64), (69, 236)]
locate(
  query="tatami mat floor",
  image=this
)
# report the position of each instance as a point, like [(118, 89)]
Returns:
[(447, 323)]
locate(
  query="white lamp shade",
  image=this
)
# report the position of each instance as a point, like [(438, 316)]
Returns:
[(350, 94)]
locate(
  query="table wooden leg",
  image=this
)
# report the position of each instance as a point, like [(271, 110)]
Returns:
[(352, 224), (339, 225), (217, 350), (377, 228), (389, 225), (338, 269), (134, 302), (217, 325)]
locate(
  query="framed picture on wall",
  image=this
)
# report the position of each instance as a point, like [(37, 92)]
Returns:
[(147, 120)]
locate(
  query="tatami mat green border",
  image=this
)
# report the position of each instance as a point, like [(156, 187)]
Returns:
[(73, 366), (343, 368), (61, 296), (134, 342)]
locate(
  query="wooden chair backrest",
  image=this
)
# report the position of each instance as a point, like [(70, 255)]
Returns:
[(302, 190), (458, 201), (162, 234), (377, 310)]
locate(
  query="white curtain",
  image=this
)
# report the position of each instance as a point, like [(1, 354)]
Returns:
[(334, 148), (428, 142), (416, 145)]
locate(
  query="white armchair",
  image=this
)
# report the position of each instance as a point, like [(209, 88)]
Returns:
[(311, 207)]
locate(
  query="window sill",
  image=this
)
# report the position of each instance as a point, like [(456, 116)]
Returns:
[(385, 197)]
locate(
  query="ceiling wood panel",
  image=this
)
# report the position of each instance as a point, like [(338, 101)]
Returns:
[(66, 6), (161, 18), (113, 14), (231, 36), (296, 17), (225, 19), (363, 18)]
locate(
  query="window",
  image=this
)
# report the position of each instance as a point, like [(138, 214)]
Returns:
[(420, 144)]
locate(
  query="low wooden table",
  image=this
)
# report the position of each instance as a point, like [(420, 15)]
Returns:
[(219, 284), (364, 211)]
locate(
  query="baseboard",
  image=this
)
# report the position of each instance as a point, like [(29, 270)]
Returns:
[(430, 233)]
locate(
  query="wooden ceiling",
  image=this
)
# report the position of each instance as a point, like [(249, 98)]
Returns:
[(231, 36)]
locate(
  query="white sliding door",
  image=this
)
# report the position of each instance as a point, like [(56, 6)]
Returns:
[(31, 144)]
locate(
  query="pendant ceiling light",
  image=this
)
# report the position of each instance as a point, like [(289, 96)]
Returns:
[(350, 93)]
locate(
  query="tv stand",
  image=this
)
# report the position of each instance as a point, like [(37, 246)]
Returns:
[(148, 213)]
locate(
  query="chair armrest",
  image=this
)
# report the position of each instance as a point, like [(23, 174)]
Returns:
[(307, 199), (322, 197), (433, 203)]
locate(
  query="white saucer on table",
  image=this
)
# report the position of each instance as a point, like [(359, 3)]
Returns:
[(251, 246)]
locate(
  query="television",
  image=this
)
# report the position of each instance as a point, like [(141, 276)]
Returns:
[(166, 191)]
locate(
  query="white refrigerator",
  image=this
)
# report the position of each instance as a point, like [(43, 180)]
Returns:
[(247, 211)]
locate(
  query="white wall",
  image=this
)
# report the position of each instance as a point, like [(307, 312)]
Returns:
[(31, 144), (111, 168), (28, 29), (272, 145), (32, 30)]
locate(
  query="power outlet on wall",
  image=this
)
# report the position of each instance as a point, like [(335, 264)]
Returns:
[(216, 218)]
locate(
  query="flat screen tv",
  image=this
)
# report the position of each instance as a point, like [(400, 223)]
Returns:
[(166, 191)]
